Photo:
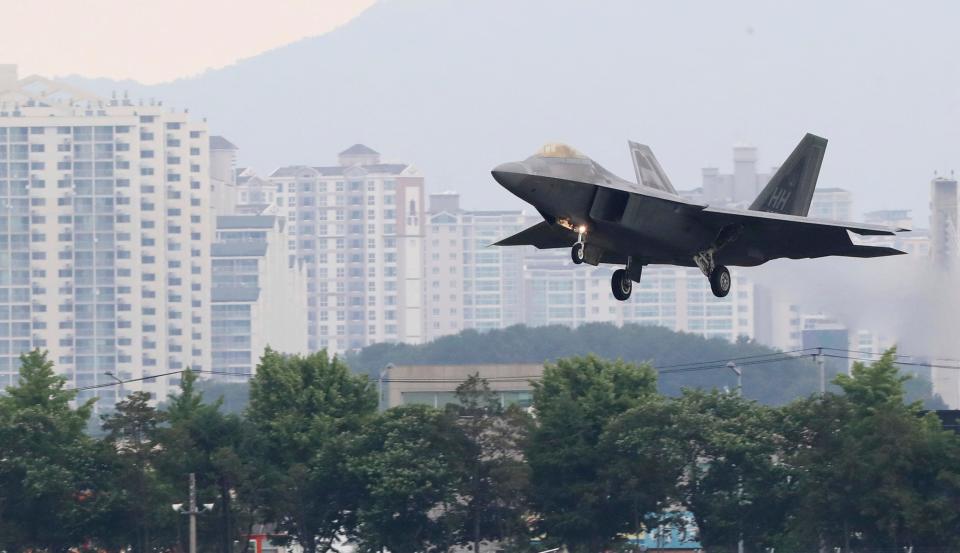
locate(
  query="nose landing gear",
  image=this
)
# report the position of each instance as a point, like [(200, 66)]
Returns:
[(577, 253)]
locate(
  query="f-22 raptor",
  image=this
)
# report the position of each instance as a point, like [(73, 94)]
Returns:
[(606, 219)]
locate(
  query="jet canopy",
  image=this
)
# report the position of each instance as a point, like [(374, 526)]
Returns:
[(556, 149)]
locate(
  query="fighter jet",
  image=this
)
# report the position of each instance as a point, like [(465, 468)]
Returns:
[(606, 219)]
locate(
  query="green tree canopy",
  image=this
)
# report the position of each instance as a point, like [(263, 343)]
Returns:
[(573, 404), (305, 411), (492, 495), (409, 462), (47, 468)]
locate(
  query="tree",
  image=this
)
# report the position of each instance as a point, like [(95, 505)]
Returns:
[(492, 499), (573, 404), (138, 501), (873, 472), (46, 461), (408, 461), (733, 481), (201, 439), (644, 462), (306, 411)]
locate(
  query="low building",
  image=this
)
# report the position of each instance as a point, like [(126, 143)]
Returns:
[(436, 385)]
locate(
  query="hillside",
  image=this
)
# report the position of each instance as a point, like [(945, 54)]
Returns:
[(773, 382)]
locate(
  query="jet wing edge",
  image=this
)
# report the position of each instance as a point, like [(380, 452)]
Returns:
[(863, 229), (542, 236)]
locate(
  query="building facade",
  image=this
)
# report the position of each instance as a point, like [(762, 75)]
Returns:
[(737, 188), (258, 296), (835, 204), (436, 385), (358, 229), (469, 283), (679, 298), (943, 224), (105, 224)]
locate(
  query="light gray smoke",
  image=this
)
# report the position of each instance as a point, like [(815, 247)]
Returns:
[(902, 298)]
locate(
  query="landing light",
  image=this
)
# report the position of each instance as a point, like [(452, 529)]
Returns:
[(582, 229)]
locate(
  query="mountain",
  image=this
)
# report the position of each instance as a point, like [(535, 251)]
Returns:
[(457, 86)]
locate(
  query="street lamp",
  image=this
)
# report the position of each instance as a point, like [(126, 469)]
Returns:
[(113, 376), (733, 367), (383, 373)]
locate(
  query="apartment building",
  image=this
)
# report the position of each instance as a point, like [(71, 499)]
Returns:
[(105, 225), (358, 229), (835, 204), (258, 297), (468, 282), (679, 298)]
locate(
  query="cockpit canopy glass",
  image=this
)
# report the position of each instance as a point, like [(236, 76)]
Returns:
[(556, 149)]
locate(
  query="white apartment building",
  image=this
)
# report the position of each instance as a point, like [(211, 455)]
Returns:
[(557, 292), (258, 298), (468, 282), (358, 228), (104, 236), (831, 203), (737, 188)]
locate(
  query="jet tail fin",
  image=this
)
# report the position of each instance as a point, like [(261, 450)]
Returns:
[(647, 168), (790, 191)]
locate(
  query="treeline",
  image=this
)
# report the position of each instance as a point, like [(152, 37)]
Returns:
[(603, 455), (775, 381)]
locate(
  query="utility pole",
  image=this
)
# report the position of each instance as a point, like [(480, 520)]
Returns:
[(192, 511), (818, 357), (739, 372)]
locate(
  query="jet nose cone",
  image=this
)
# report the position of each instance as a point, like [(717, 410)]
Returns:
[(510, 175)]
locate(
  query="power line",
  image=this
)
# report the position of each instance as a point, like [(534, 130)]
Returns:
[(151, 377), (743, 358), (677, 368)]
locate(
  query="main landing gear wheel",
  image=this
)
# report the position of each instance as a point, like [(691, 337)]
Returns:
[(621, 284), (720, 281), (576, 253)]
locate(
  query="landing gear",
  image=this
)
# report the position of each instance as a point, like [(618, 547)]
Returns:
[(718, 275), (622, 280), (621, 284), (720, 281), (577, 253)]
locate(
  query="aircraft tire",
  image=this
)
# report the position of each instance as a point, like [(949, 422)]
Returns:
[(577, 253), (621, 285), (720, 281)]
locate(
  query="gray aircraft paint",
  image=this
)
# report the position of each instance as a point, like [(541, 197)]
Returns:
[(647, 222)]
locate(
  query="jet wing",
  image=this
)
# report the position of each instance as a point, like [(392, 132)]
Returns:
[(542, 236), (764, 236)]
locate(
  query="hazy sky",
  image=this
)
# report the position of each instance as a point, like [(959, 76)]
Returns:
[(156, 40)]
